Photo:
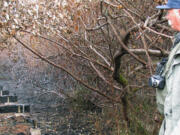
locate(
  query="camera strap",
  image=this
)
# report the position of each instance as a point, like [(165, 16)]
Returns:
[(170, 58)]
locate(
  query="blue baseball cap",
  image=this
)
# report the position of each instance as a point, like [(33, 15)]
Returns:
[(171, 4)]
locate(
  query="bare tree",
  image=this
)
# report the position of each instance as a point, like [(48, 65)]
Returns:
[(109, 46)]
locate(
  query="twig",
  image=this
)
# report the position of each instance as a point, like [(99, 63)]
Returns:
[(140, 17), (100, 55), (96, 28), (56, 43), (147, 54), (158, 33)]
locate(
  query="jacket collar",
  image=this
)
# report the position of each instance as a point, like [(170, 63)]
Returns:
[(176, 39)]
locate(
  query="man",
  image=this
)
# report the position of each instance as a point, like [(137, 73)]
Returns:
[(168, 98)]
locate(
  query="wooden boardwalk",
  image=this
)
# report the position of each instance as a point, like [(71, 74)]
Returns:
[(15, 118)]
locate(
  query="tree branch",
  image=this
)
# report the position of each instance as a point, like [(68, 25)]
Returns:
[(151, 52), (123, 45), (103, 78), (64, 69), (70, 51)]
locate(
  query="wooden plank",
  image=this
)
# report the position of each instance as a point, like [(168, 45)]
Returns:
[(7, 99), (4, 92), (15, 108)]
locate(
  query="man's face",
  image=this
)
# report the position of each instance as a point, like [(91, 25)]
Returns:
[(173, 17)]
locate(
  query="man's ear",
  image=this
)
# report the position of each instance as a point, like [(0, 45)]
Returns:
[(176, 12)]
